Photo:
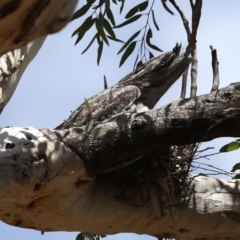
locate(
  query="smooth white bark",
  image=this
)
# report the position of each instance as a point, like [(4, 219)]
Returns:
[(12, 66), (41, 179), (23, 21)]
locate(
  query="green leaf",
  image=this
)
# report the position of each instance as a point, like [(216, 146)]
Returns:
[(99, 26), (114, 1), (80, 237), (128, 41), (87, 105), (133, 19), (230, 147), (148, 37), (98, 132), (154, 21), (150, 55), (87, 24), (122, 6), (108, 27), (111, 17), (237, 176), (91, 42), (90, 125), (115, 39), (100, 48), (105, 82), (107, 5), (138, 8), (166, 7), (127, 53), (79, 13), (236, 167)]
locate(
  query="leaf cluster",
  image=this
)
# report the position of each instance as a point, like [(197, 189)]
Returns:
[(103, 19)]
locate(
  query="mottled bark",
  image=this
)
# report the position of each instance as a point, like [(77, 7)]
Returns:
[(22, 21)]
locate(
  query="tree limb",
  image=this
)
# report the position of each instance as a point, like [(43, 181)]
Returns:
[(12, 66), (35, 188), (23, 21)]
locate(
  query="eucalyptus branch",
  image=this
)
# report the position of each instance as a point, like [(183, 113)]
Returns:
[(215, 64)]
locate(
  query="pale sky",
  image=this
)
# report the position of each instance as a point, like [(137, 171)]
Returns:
[(59, 78)]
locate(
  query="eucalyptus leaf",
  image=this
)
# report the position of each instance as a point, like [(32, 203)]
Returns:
[(236, 167), (127, 53), (150, 55), (83, 10), (148, 37), (133, 19), (237, 176), (105, 82), (90, 43), (115, 39), (100, 48), (110, 17), (232, 146), (87, 105), (154, 21), (99, 26), (128, 41), (138, 8), (87, 24), (108, 27), (122, 6), (166, 6)]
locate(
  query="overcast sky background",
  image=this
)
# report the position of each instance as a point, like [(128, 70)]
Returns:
[(59, 78)]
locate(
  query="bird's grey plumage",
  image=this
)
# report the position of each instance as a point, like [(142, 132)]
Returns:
[(140, 89)]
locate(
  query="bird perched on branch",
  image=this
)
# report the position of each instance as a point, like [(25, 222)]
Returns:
[(138, 91)]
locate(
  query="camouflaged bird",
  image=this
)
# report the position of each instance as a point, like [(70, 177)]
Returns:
[(137, 92)]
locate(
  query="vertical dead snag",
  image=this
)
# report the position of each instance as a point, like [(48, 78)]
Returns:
[(215, 64)]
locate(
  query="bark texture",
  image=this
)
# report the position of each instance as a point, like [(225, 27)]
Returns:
[(12, 66), (22, 21), (42, 179)]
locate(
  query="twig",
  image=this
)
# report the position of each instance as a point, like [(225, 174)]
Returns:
[(184, 19), (192, 48), (194, 67), (211, 166), (215, 64), (184, 83)]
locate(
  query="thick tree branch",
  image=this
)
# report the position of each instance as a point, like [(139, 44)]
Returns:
[(181, 122), (12, 66), (23, 21), (35, 188)]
